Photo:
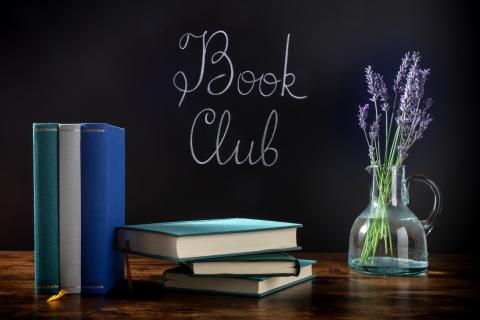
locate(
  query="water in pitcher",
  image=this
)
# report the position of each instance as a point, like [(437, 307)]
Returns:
[(407, 256)]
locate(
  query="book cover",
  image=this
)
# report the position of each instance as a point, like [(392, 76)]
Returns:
[(70, 207), (45, 207), (103, 205), (211, 226)]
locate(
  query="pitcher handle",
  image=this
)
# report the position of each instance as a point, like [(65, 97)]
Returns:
[(437, 200)]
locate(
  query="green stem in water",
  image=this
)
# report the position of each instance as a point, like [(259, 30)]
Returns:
[(378, 230)]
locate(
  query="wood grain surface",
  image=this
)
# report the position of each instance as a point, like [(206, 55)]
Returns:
[(450, 290)]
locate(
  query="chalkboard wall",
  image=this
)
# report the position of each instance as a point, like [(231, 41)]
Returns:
[(116, 61)]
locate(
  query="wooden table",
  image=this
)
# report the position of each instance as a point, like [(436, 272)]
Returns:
[(449, 290)]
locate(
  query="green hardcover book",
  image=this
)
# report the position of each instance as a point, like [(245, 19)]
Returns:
[(45, 207), (180, 279), (267, 264), (193, 240)]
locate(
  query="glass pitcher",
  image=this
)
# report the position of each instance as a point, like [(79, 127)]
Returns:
[(387, 238)]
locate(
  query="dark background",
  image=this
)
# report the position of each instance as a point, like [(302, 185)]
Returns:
[(114, 62)]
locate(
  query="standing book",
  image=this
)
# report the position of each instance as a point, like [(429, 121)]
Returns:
[(103, 205), (45, 207), (70, 207)]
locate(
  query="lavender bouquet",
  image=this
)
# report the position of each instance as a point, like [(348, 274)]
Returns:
[(405, 119)]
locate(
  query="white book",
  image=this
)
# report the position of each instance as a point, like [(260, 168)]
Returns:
[(70, 221)]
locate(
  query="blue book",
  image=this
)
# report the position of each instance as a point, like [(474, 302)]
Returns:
[(193, 240), (45, 207), (103, 205), (180, 279)]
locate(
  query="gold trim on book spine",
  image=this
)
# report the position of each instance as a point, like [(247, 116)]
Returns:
[(48, 286), (93, 130), (69, 130), (93, 287), (45, 129)]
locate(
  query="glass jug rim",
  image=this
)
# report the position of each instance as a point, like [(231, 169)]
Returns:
[(376, 167), (384, 166)]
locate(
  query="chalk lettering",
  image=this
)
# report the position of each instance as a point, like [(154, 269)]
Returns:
[(209, 116), (266, 83)]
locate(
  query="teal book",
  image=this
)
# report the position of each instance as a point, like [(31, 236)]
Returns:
[(267, 264), (45, 207), (193, 240), (180, 279)]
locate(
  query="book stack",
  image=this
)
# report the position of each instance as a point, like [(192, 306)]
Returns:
[(229, 256), (79, 191)]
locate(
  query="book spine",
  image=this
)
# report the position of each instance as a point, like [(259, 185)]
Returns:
[(45, 207), (102, 192), (116, 203), (70, 207), (298, 268)]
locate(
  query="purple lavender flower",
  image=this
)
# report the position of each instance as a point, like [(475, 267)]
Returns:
[(411, 119), (382, 92), (423, 74), (362, 116), (376, 87), (423, 122), (369, 79), (402, 153), (402, 73), (411, 92), (409, 111), (374, 128), (385, 107), (410, 81)]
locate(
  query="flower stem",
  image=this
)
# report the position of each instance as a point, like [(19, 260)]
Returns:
[(378, 230)]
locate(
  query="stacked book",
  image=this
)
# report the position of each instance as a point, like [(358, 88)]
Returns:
[(230, 256), (79, 191)]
